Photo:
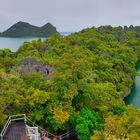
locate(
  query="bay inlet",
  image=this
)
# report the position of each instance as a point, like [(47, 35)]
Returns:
[(134, 97), (13, 43)]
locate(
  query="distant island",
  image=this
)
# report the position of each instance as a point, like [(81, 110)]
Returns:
[(23, 29)]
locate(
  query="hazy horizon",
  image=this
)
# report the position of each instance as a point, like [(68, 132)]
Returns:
[(70, 16), (71, 31)]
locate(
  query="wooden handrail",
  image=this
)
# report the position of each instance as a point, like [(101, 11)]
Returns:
[(27, 120), (9, 122)]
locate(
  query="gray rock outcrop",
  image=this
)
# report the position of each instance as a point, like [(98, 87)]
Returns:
[(30, 64)]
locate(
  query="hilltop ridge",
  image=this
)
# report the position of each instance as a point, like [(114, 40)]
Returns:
[(23, 29)]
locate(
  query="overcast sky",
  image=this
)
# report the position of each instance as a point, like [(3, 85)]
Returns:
[(70, 15)]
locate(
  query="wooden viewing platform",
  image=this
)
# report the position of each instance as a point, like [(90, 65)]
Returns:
[(19, 127)]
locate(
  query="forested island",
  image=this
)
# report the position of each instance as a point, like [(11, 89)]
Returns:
[(23, 29), (74, 82)]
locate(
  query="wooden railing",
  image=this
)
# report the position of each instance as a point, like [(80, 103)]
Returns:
[(11, 119), (30, 123)]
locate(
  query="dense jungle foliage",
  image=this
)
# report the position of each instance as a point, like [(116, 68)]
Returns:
[(93, 71)]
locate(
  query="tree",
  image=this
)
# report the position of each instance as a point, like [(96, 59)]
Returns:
[(87, 123)]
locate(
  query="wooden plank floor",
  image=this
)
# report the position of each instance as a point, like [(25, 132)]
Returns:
[(15, 131)]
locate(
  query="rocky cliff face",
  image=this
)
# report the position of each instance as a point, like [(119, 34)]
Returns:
[(127, 92), (30, 64)]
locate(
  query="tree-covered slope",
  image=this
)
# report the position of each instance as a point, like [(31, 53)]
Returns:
[(91, 72), (22, 29)]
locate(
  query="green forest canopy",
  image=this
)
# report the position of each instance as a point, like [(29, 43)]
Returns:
[(93, 71)]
